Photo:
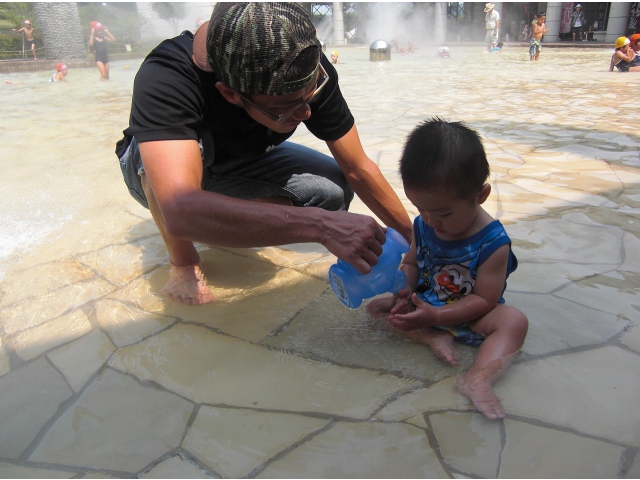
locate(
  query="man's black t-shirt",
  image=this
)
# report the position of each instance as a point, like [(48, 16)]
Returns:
[(175, 100)]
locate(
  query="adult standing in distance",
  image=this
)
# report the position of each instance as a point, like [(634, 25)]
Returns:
[(578, 22), (206, 147), (491, 26)]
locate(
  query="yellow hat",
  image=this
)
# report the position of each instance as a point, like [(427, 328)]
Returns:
[(622, 41), (335, 52)]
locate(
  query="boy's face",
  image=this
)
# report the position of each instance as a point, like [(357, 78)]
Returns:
[(541, 19), (451, 217)]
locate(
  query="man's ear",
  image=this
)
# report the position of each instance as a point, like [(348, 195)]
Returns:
[(229, 94), (484, 193)]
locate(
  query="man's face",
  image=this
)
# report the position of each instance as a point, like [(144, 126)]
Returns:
[(294, 106)]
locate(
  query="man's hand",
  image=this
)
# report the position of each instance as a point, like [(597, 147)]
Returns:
[(356, 239)]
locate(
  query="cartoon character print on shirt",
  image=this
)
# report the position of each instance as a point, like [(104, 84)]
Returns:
[(452, 282)]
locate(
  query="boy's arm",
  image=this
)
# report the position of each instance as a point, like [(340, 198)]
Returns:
[(486, 293)]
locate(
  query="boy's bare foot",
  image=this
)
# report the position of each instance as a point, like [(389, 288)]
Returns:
[(440, 342), (187, 285), (482, 396)]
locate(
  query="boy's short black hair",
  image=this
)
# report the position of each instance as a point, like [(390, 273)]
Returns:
[(542, 14), (444, 156)]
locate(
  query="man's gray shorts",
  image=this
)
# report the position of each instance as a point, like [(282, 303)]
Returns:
[(307, 177)]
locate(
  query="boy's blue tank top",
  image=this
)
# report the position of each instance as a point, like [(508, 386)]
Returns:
[(448, 269)]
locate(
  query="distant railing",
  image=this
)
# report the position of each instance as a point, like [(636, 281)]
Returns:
[(10, 48)]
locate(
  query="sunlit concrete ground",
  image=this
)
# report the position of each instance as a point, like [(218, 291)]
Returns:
[(100, 377)]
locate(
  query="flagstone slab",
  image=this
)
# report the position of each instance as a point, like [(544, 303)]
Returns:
[(126, 325), (531, 451), (612, 293), (573, 238), (557, 323), (28, 344), (252, 297), (361, 450), (440, 396), (79, 360), (328, 329), (634, 471), (593, 392), (235, 442), (7, 470), (469, 442), (115, 422), (41, 279), (176, 467), (538, 277), (631, 338), (215, 369), (122, 263), (31, 395), (40, 310)]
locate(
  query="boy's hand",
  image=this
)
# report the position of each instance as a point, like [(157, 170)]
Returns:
[(422, 317), (403, 301)]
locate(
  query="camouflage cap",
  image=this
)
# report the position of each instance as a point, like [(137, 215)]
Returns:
[(251, 46)]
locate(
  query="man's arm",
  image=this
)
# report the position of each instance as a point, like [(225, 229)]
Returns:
[(174, 171), (367, 181)]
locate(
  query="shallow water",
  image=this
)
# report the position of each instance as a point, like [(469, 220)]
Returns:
[(277, 378)]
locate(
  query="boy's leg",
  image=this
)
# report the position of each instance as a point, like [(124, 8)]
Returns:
[(439, 341), (505, 328)]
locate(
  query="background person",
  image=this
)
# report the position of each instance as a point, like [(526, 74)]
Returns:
[(30, 41), (624, 58), (206, 147), (61, 73), (491, 26), (578, 22), (535, 44), (334, 57), (100, 35)]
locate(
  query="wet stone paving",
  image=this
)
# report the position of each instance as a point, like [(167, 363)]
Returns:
[(101, 377)]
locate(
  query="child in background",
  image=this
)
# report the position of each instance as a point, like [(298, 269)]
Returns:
[(30, 42), (334, 57), (497, 48), (458, 263), (61, 73), (539, 29), (624, 58), (444, 52)]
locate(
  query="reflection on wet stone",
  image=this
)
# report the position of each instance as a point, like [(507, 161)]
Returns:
[(102, 377)]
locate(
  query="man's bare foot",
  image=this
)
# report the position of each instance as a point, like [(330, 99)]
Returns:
[(440, 342), (187, 285), (482, 396)]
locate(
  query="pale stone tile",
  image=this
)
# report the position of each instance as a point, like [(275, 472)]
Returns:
[(5, 364), (559, 323), (41, 279), (79, 360), (235, 442), (537, 452), (440, 396), (607, 293), (30, 343), (573, 238), (31, 395), (44, 308), (537, 277), (211, 368), (634, 471), (122, 263), (252, 297), (97, 475), (176, 467), (632, 254), (469, 442), (381, 450), (328, 329), (8, 470), (632, 338), (574, 196), (126, 325), (593, 392), (115, 422)]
